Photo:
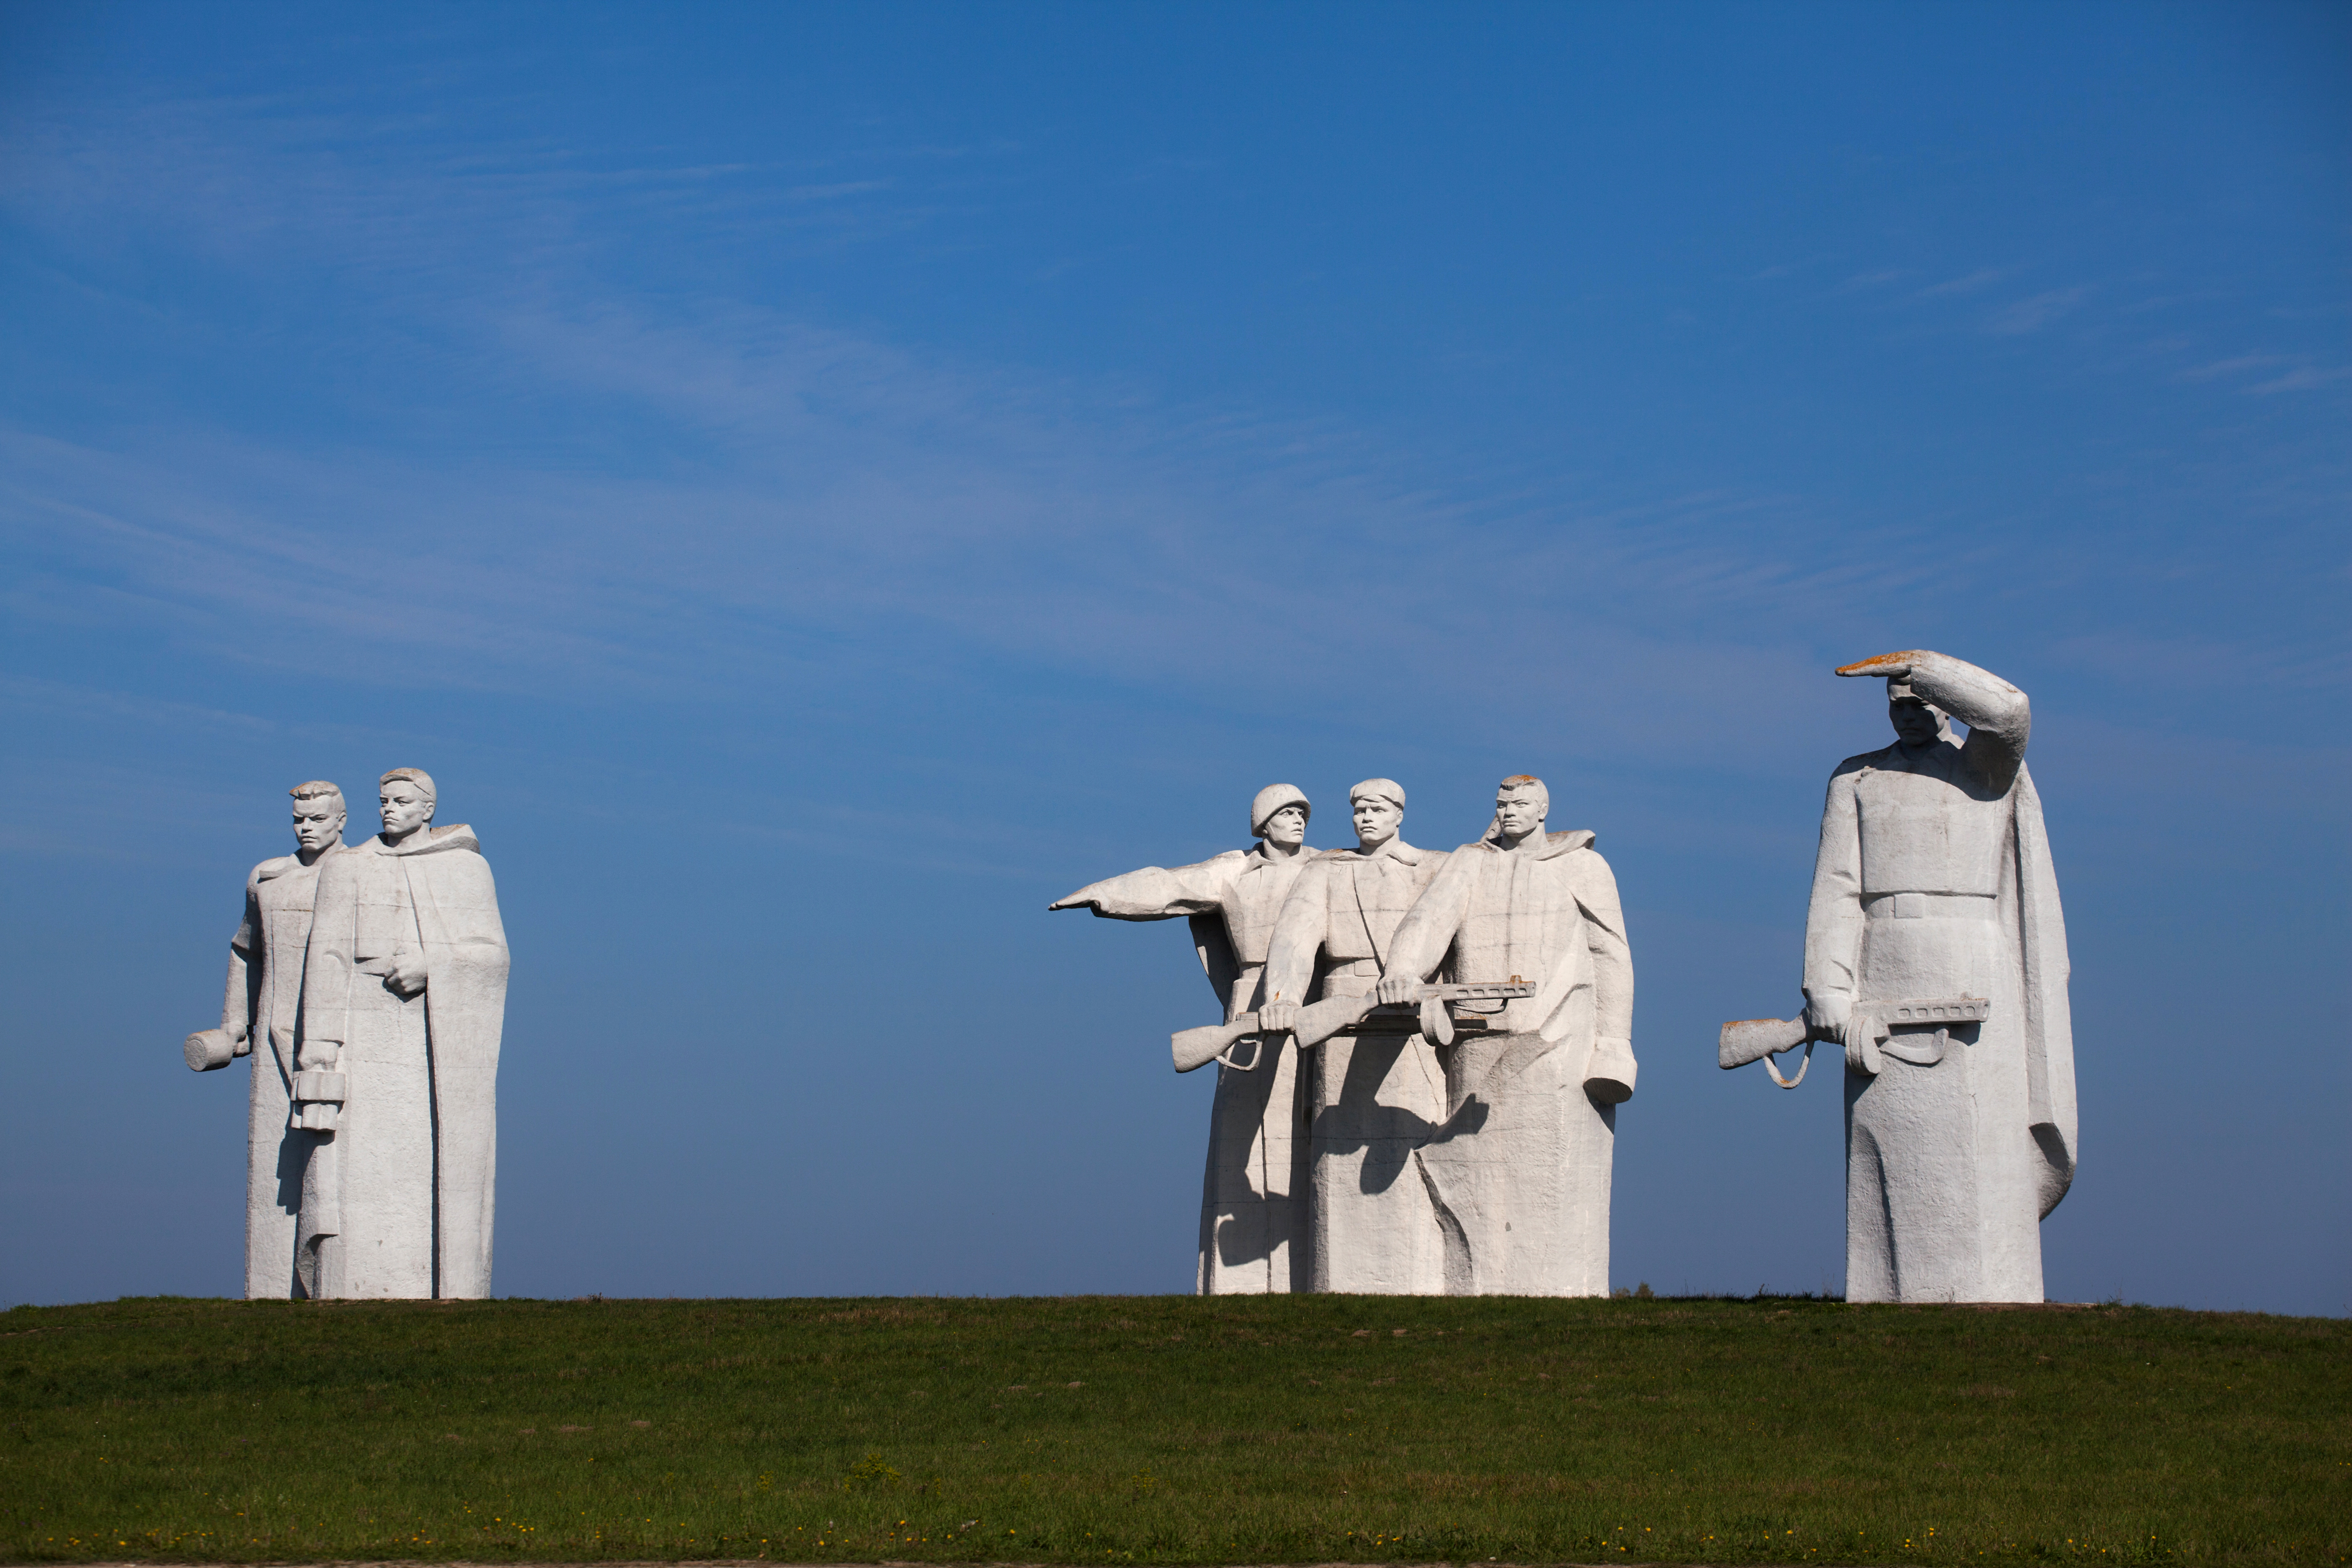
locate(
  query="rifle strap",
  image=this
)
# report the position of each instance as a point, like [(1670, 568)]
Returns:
[(1802, 1068)]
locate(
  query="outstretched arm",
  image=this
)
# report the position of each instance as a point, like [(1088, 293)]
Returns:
[(1998, 716), (1158, 893)]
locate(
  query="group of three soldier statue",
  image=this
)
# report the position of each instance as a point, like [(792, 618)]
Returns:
[(1468, 1149)]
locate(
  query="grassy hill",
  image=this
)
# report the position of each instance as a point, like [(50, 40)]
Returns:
[(1170, 1429)]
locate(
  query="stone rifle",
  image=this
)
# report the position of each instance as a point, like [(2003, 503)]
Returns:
[(1754, 1040), (1318, 1021)]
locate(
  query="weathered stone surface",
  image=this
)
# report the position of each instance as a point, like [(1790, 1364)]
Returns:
[(1935, 954), (377, 975), (1458, 1138), (264, 990), (1374, 1097), (1253, 1212), (1521, 1170)]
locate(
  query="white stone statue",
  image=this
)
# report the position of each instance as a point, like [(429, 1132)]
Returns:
[(1375, 1095), (1253, 1197), (265, 989), (1520, 1172), (403, 998), (1936, 952)]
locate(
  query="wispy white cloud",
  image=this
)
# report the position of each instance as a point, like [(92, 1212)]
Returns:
[(1967, 283), (2302, 375), (2235, 365), (2031, 315), (790, 488), (2304, 378)]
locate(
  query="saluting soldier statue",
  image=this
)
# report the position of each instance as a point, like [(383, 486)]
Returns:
[(1934, 881)]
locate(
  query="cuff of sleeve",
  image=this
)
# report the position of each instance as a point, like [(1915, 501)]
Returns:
[(1609, 1078)]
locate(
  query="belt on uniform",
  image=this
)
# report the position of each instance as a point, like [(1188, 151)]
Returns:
[(1371, 967), (1928, 907)]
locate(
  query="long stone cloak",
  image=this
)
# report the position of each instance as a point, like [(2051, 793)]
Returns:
[(263, 1002), (1252, 1193), (1934, 879), (1521, 1169), (399, 1200), (1374, 1097)]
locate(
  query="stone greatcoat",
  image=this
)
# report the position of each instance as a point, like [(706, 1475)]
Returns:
[(263, 1004), (400, 1198), (1253, 1195), (1934, 880), (1520, 1170), (1373, 1097)]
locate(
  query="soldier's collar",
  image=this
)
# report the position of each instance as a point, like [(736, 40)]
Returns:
[(270, 869), (1554, 844)]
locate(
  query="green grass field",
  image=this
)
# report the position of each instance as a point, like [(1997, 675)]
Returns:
[(1171, 1429)]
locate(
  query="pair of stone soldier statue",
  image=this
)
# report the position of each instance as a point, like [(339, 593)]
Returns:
[(1382, 1163), (1377, 1162), (368, 985)]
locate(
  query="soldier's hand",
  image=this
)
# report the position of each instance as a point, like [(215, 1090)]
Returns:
[(1396, 988), (1893, 666), (1278, 1017), (406, 976), (1826, 1015)]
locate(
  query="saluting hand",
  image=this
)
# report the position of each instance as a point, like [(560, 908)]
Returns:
[(1892, 666)]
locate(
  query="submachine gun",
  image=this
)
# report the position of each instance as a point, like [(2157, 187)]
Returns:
[(1425, 1014), (1870, 1034)]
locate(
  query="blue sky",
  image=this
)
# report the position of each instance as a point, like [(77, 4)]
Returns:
[(815, 484)]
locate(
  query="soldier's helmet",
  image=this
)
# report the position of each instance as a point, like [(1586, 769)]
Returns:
[(1273, 798)]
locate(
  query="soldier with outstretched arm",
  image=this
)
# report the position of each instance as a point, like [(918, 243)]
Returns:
[(1252, 1200), (1936, 952)]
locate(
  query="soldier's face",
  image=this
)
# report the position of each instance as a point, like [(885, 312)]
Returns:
[(1915, 723), (318, 822), (1377, 820), (405, 808), (1288, 826), (1518, 812)]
